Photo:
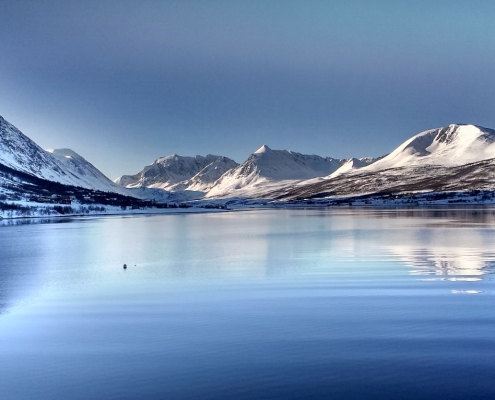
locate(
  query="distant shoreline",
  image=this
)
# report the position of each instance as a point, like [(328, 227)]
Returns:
[(252, 207)]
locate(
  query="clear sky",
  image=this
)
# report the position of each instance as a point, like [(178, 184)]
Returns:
[(124, 82)]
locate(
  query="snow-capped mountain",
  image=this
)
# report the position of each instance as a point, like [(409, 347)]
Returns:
[(453, 145), (179, 173), (452, 158), (268, 169), (426, 178), (65, 166)]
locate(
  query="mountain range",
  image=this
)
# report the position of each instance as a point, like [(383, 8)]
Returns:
[(176, 173), (452, 158), (458, 157)]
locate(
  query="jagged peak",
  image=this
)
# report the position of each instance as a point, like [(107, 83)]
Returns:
[(175, 171), (263, 149), (8, 125), (174, 156)]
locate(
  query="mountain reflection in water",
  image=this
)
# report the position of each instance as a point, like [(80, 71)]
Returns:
[(448, 263), (450, 244)]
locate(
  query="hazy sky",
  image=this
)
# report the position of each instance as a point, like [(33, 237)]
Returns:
[(124, 82)]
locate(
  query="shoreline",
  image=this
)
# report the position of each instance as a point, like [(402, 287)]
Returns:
[(159, 211), (251, 207)]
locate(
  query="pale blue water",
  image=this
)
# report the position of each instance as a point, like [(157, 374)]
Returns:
[(303, 304)]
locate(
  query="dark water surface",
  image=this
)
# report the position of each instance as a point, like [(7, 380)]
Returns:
[(302, 304)]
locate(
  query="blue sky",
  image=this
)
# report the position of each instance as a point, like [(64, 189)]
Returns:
[(124, 82)]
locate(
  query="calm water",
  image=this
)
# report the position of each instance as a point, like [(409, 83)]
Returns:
[(297, 304)]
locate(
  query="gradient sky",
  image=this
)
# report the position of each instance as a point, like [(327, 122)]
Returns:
[(124, 82)]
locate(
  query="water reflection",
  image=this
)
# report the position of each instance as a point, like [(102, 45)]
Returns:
[(451, 245), (444, 244), (466, 291), (454, 264), (446, 251), (33, 221), (438, 216)]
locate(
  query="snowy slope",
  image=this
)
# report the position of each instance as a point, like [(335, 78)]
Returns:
[(352, 164), (455, 157), (20, 153), (268, 169), (452, 158), (84, 172), (419, 178), (178, 172), (452, 145), (204, 179)]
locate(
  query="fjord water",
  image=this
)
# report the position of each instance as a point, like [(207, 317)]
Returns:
[(281, 304)]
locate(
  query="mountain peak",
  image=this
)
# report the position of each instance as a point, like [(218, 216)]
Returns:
[(67, 153), (176, 171), (451, 145), (263, 149)]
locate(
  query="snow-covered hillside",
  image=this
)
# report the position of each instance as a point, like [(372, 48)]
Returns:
[(419, 178), (65, 166), (205, 179), (452, 145), (353, 164), (268, 169), (84, 172), (452, 158), (19, 152), (179, 173)]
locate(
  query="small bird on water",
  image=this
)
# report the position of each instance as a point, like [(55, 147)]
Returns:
[(125, 266)]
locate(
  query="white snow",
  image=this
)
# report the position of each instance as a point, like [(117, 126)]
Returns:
[(269, 172), (65, 166), (351, 165), (268, 169), (263, 149), (449, 146), (177, 173), (84, 173)]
